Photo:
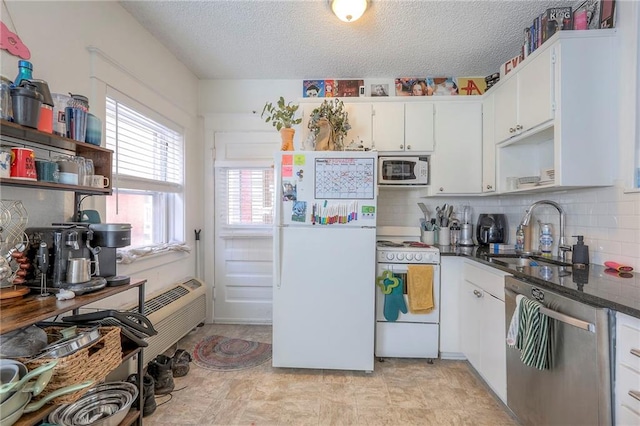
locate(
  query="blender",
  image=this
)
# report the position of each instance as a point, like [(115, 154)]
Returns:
[(466, 228)]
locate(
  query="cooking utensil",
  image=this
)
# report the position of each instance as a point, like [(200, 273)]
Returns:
[(22, 404), (24, 342), (132, 320), (43, 267), (68, 346), (425, 211), (42, 373), (104, 405)]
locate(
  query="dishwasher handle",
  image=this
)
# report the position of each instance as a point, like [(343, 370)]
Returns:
[(575, 322)]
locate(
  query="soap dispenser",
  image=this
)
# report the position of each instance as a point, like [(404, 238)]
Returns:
[(580, 251)]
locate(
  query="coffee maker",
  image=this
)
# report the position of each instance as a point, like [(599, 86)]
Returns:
[(58, 244), (65, 241), (492, 228)]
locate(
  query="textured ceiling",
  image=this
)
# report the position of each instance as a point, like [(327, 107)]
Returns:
[(255, 39)]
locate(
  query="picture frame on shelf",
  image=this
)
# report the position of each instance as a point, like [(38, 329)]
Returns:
[(379, 90), (313, 88)]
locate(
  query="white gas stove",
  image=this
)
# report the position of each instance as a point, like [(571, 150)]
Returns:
[(409, 335)]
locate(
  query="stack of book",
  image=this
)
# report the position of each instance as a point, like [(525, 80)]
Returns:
[(589, 15)]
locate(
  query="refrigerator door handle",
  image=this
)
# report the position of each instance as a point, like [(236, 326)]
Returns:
[(277, 264)]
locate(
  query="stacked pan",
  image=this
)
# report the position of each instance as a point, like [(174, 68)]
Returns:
[(104, 405)]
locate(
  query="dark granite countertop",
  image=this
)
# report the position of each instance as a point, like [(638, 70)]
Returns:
[(591, 285)]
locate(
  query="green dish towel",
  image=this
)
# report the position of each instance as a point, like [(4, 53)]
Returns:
[(533, 335)]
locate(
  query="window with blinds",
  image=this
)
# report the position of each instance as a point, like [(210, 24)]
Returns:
[(148, 170), (249, 195)]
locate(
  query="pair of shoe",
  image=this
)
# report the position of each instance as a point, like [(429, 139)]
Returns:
[(181, 360), (163, 369), (160, 369), (148, 394)]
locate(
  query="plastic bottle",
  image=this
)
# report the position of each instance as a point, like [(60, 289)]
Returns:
[(520, 238), (546, 239), (25, 72), (580, 252)]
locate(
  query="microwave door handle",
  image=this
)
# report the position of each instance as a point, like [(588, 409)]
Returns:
[(563, 318)]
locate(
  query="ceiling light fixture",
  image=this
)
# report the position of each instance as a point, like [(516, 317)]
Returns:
[(348, 10)]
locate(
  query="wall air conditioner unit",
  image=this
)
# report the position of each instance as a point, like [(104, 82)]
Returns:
[(173, 313)]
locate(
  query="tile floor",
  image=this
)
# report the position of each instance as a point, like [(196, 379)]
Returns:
[(398, 392)]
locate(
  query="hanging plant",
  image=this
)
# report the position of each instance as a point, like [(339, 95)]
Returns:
[(335, 112)]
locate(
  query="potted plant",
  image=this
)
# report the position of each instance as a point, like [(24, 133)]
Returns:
[(333, 114), (282, 117)]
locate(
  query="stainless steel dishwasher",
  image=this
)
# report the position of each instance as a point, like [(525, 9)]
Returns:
[(576, 389)]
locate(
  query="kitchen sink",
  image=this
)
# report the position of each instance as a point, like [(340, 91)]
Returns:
[(519, 261)]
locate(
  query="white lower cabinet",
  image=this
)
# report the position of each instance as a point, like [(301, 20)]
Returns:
[(627, 370), (450, 279), (482, 324)]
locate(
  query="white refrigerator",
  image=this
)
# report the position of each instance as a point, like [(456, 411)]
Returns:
[(324, 265)]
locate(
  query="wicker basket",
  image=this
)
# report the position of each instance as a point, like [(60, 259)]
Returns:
[(94, 362)]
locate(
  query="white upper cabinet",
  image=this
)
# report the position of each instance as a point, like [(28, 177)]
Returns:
[(456, 164), (525, 100), (556, 114), (488, 145), (360, 116), (403, 127)]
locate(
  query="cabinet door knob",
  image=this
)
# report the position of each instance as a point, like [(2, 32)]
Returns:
[(401, 146), (477, 293), (519, 127), (512, 130), (489, 187), (441, 189), (408, 146)]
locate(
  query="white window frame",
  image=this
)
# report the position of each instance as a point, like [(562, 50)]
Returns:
[(170, 219)]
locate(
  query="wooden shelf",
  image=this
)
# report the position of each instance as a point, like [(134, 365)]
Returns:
[(7, 128), (102, 157), (53, 185), (22, 312)]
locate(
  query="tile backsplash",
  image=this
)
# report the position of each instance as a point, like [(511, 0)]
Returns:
[(608, 218)]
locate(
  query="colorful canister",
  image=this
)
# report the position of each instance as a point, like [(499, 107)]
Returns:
[(23, 164)]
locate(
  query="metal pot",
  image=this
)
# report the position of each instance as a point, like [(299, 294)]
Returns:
[(111, 234)]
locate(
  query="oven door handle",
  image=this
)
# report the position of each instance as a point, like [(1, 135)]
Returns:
[(567, 319)]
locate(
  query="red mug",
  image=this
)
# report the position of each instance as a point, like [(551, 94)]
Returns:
[(23, 164)]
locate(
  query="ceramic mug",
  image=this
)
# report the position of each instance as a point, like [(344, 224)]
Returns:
[(99, 181), (5, 164), (47, 171), (23, 164)]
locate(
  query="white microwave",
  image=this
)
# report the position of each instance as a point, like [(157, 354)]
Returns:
[(403, 170)]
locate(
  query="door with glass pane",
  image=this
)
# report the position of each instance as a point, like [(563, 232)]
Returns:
[(243, 243)]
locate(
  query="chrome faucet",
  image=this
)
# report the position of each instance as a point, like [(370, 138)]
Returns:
[(563, 248)]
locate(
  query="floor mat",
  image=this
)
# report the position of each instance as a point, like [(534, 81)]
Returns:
[(226, 353)]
